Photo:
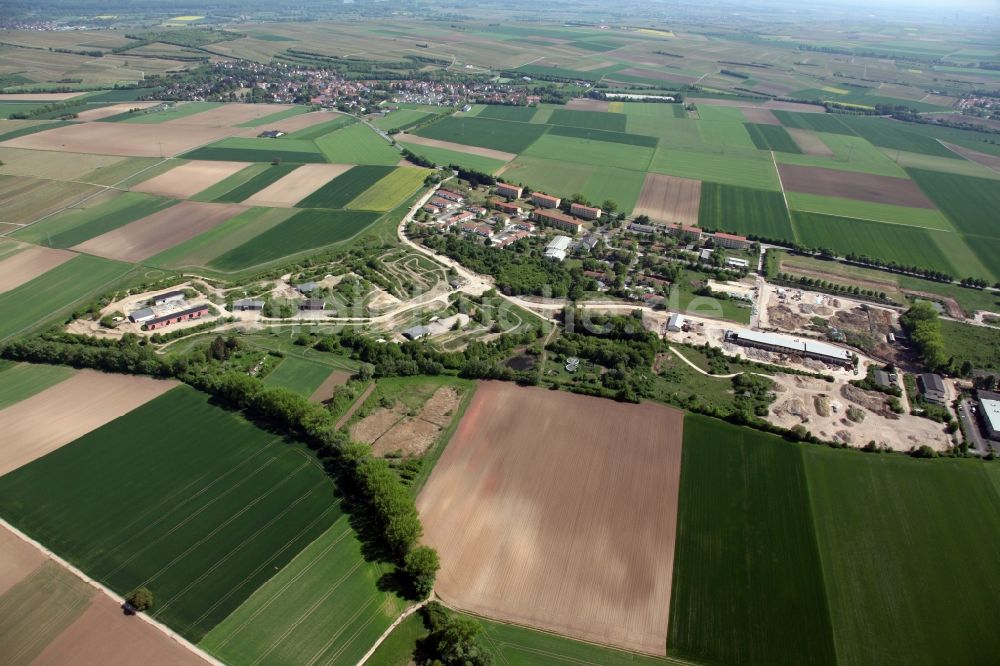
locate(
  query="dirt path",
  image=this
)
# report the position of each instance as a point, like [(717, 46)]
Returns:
[(399, 620), (691, 363), (355, 407), (141, 617)]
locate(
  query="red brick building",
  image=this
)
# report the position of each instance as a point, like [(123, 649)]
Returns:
[(544, 200), (586, 212), (559, 220), (509, 191), (197, 312)]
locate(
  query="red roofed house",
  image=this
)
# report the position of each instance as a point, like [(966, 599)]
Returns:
[(559, 220), (431, 208), (451, 196), (477, 229), (544, 200), (196, 312), (684, 231), (511, 209), (443, 204), (731, 241), (586, 212), (509, 191)]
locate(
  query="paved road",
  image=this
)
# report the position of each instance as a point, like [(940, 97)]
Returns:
[(971, 428)]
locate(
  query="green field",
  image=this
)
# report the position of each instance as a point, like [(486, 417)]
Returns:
[(565, 179), (346, 187), (41, 299), (970, 203), (274, 117), (909, 557), (299, 375), (73, 226), (260, 176), (38, 608), (306, 230), (748, 584), (240, 149), (605, 135), (199, 251), (895, 135), (772, 137), (391, 190), (817, 122), (584, 151), (964, 342), (521, 114), (727, 136), (598, 120), (400, 119), (202, 512), (323, 607), (485, 133), (926, 218), (25, 380), (444, 157), (908, 246), (14, 128), (321, 129), (357, 144), (177, 111), (717, 168), (745, 211), (850, 153)]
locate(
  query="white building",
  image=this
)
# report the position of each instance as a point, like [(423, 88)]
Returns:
[(676, 323), (557, 247)]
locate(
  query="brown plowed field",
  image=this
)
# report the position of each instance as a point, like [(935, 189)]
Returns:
[(105, 635), (559, 511), (587, 104), (39, 97), (458, 147), (809, 142), (989, 161), (769, 104), (28, 264), (160, 231), (19, 559), (757, 114), (107, 111), (153, 140), (329, 385), (296, 186), (229, 115), (70, 409), (669, 199), (851, 185), (190, 178)]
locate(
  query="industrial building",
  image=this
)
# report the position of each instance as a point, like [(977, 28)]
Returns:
[(245, 304), (196, 312), (416, 332), (784, 344), (141, 316), (989, 414), (168, 297), (676, 323), (557, 247)]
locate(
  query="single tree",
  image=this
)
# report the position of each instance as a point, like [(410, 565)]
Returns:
[(140, 599)]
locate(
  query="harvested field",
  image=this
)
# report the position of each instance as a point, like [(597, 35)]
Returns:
[(587, 104), (297, 185), (329, 385), (669, 199), (809, 143), (29, 264), (535, 504), (58, 415), (25, 200), (160, 231), (458, 147), (189, 178), (39, 97), (19, 559), (757, 114), (51, 165), (850, 185), (157, 140), (103, 112)]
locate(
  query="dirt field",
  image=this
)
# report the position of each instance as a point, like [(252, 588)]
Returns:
[(809, 142), (39, 97), (113, 110), (105, 635), (669, 199), (297, 185), (460, 147), (229, 115), (190, 178), (326, 389), (154, 140), (160, 231), (770, 104), (851, 185), (19, 559), (535, 506), (587, 104), (28, 264), (301, 121), (58, 415), (757, 114), (989, 161)]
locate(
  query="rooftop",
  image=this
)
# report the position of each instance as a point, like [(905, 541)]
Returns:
[(989, 402)]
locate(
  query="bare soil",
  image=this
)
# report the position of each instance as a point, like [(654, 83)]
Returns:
[(105, 635), (770, 104), (809, 142), (535, 506), (409, 437), (229, 115), (851, 185), (757, 114), (440, 407), (19, 559), (28, 264), (160, 231), (587, 104), (301, 121), (297, 185), (669, 199), (989, 161), (460, 147), (325, 390), (39, 97), (155, 140), (70, 409), (107, 111), (376, 424), (189, 178)]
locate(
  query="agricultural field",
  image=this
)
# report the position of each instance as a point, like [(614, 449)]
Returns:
[(298, 375), (275, 117), (21, 381), (98, 215), (851, 185), (745, 211), (228, 506), (968, 202), (401, 119), (445, 156), (245, 183), (498, 554), (391, 190), (669, 199), (295, 185), (346, 187), (926, 218), (978, 344), (189, 178), (745, 526), (24, 263), (53, 293), (356, 144), (717, 168), (26, 200), (577, 150), (252, 149), (772, 137), (484, 132)]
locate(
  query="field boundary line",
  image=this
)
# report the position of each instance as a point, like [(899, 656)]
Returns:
[(784, 197), (395, 623), (159, 626)]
